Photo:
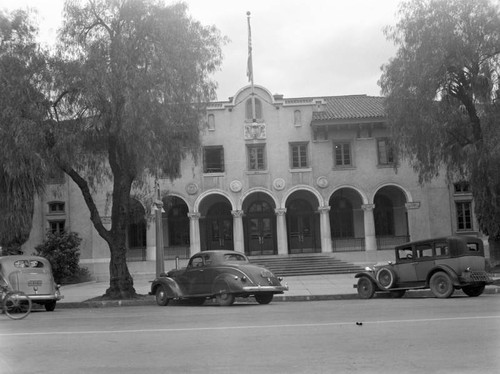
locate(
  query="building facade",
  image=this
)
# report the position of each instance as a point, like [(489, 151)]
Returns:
[(277, 176)]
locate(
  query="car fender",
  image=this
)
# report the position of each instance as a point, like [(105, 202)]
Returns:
[(370, 276), (448, 270), (171, 286), (229, 279)]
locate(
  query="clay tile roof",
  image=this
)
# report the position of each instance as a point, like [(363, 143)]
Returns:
[(350, 108)]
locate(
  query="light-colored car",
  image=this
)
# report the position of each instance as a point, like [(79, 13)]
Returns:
[(33, 276), (223, 275), (441, 264)]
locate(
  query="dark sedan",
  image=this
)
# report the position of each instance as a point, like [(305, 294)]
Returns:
[(223, 275)]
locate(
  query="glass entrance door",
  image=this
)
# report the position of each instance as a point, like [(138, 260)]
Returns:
[(260, 229), (219, 226), (301, 229)]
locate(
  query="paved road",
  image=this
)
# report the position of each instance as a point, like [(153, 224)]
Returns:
[(457, 335)]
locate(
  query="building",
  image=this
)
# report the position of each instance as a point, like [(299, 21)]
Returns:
[(277, 176)]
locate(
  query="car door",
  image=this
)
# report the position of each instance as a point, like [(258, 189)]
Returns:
[(192, 279), (406, 270), (425, 260)]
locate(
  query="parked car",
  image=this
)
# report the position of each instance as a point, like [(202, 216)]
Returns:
[(441, 264), (223, 275), (33, 276)]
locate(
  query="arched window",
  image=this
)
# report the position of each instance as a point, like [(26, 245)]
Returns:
[(249, 112), (211, 122), (297, 118)]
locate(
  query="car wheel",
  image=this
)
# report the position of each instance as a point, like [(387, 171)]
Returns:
[(50, 306), (441, 285), (366, 288), (161, 296), (473, 291), (222, 295), (385, 278), (398, 294), (264, 298)]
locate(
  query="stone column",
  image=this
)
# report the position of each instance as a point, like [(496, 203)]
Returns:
[(370, 238), (194, 233), (238, 237), (412, 212), (281, 231), (325, 232)]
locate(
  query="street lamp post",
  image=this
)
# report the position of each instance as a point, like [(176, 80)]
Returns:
[(160, 264)]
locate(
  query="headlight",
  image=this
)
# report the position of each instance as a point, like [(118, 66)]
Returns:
[(368, 268)]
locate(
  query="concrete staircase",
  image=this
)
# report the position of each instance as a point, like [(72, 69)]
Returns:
[(299, 265)]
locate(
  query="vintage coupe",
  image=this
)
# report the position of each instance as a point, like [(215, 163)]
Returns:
[(33, 276), (442, 264), (223, 275)]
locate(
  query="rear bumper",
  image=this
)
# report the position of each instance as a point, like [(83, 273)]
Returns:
[(55, 297), (273, 289)]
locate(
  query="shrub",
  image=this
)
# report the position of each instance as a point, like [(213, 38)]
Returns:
[(62, 250)]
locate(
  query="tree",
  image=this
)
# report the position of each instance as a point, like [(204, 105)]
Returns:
[(443, 97), (130, 81), (22, 106)]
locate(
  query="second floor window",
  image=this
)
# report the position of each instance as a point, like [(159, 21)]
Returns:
[(213, 159), (464, 215), (298, 155), (343, 154), (385, 152), (256, 157), (249, 109)]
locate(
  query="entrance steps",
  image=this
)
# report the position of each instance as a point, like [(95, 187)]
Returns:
[(299, 265)]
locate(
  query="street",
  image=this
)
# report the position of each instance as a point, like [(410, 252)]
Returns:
[(409, 335)]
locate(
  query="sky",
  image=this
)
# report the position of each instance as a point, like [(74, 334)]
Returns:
[(301, 48)]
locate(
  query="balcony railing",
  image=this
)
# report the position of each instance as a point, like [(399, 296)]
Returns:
[(169, 253), (348, 244), (389, 242)]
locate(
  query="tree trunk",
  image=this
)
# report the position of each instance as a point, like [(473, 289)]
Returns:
[(121, 284)]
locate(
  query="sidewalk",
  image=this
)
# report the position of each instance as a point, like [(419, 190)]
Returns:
[(303, 288)]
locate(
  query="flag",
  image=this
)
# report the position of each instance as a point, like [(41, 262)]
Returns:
[(249, 62)]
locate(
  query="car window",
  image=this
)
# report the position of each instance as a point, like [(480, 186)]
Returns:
[(196, 262), (405, 253), (473, 247), (442, 249), (424, 250), (234, 257)]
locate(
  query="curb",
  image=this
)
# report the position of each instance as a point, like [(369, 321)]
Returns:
[(150, 300)]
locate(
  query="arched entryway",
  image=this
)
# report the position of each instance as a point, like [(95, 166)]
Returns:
[(175, 227), (302, 223), (216, 223), (347, 220), (391, 217), (259, 225), (136, 231)]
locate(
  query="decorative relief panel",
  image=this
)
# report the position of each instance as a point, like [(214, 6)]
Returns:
[(255, 131)]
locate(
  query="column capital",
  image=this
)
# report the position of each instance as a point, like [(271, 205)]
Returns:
[(237, 213), (280, 211), (368, 207), (324, 209), (194, 215)]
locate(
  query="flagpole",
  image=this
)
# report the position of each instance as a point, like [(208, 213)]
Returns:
[(250, 67)]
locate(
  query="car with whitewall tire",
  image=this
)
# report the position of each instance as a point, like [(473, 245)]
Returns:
[(442, 265)]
